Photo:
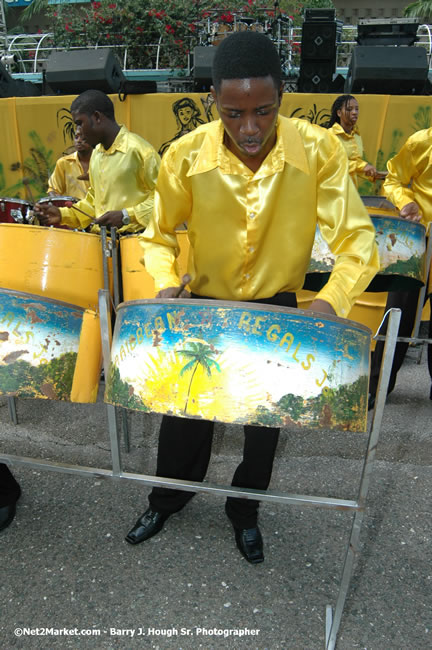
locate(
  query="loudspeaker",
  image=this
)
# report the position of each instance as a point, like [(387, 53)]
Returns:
[(203, 61), (10, 87), (387, 70), (75, 71), (319, 40), (316, 77)]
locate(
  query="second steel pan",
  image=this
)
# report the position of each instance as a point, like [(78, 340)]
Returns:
[(137, 283), (402, 252), (48, 349), (14, 210), (60, 264)]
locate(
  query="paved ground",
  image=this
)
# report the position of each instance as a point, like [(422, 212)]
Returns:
[(64, 564)]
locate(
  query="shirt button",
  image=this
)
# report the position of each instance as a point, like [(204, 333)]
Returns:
[(251, 249), (252, 215), (247, 276)]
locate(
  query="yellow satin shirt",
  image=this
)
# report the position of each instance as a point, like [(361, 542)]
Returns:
[(251, 234), (410, 174), (64, 179), (123, 176), (353, 145)]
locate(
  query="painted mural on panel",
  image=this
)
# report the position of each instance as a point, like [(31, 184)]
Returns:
[(240, 363)]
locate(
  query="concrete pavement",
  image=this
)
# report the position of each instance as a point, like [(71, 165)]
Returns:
[(65, 565)]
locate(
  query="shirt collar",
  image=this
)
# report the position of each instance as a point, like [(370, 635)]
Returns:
[(288, 149), (119, 144), (339, 130)]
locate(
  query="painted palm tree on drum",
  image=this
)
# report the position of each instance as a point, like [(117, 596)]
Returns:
[(199, 354)]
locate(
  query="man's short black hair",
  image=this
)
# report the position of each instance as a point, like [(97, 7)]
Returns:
[(93, 100), (246, 55)]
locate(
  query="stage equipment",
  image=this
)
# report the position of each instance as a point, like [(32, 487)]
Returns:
[(387, 70), (202, 68), (320, 38), (75, 71), (395, 31)]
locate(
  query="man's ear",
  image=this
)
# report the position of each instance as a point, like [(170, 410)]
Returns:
[(98, 116), (213, 93), (281, 89)]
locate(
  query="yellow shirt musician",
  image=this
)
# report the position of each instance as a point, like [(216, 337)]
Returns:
[(409, 186), (252, 186), (409, 181), (343, 123), (122, 172), (70, 175)]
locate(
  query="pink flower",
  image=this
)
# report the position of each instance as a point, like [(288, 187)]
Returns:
[(112, 5), (96, 5)]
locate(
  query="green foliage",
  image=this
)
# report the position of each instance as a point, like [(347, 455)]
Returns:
[(52, 379), (121, 393), (419, 9), (176, 25)]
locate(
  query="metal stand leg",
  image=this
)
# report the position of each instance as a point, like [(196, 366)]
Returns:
[(12, 409), (333, 618), (105, 322)]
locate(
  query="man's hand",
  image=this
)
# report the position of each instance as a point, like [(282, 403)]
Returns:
[(176, 292), (113, 218), (48, 215), (323, 307), (370, 170), (411, 212)]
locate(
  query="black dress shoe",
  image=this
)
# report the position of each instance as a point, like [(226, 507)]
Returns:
[(7, 513), (148, 525), (250, 544)]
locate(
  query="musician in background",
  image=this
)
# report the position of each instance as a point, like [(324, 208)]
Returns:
[(409, 187), (252, 187), (70, 175), (122, 172), (343, 123), (10, 492)]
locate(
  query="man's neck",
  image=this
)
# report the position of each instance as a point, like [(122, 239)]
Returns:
[(110, 135)]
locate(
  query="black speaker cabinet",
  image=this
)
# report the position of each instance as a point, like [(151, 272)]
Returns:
[(203, 61), (319, 40), (78, 70), (316, 76), (387, 70)]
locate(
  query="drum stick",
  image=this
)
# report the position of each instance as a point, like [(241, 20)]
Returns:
[(26, 183), (185, 280), (69, 204)]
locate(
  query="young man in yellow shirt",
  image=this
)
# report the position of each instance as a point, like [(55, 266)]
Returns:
[(68, 177), (409, 186), (252, 187), (122, 172)]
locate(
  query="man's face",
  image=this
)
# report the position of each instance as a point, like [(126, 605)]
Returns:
[(81, 144), (87, 127), (249, 109)]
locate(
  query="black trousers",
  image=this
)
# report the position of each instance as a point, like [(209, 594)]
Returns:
[(406, 301), (184, 453), (9, 488)]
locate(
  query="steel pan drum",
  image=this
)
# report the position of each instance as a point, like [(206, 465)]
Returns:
[(60, 264), (58, 201), (402, 252), (14, 210), (48, 349), (136, 281), (239, 362), (378, 205)]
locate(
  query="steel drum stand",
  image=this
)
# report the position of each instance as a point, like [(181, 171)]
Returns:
[(111, 249), (333, 615)]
